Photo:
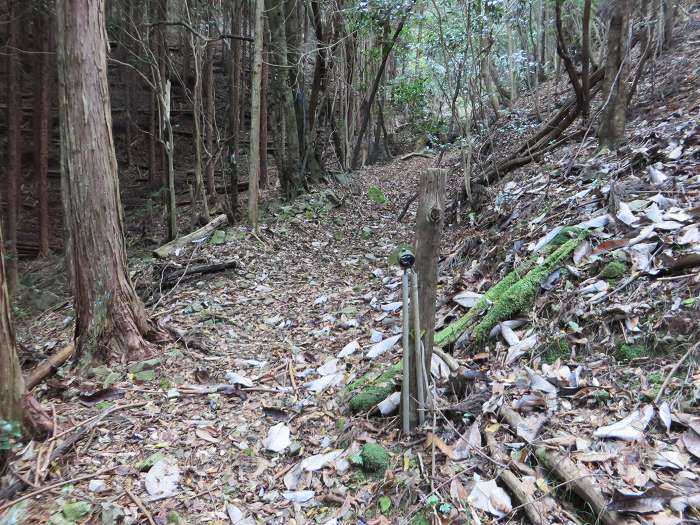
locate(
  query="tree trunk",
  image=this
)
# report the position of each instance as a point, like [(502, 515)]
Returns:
[(429, 221), (200, 193), (586, 60), (234, 114), (110, 317), (14, 140), (11, 382), (210, 116), (254, 156), (612, 127), (42, 110), (263, 127), (367, 104)]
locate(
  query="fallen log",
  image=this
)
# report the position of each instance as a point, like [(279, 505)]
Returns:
[(417, 154), (206, 230), (567, 471), (171, 278), (48, 367)]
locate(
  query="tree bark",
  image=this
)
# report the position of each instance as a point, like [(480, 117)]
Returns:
[(210, 115), (586, 59), (110, 318), (14, 140), (612, 127), (234, 114), (254, 156), (263, 127), (42, 110), (429, 222)]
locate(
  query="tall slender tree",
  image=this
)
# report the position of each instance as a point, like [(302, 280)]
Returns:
[(14, 139), (110, 317), (254, 156)]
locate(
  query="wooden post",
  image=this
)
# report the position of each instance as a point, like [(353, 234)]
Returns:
[(429, 221)]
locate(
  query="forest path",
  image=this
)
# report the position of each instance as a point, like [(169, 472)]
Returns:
[(313, 281)]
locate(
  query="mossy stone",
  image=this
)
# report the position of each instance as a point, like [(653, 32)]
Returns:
[(629, 351), (375, 459), (613, 271)]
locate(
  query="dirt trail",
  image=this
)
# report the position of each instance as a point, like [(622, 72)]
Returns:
[(301, 293)]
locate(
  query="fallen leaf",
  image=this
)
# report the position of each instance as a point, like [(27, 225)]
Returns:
[(277, 438), (630, 428), (491, 498), (349, 349), (383, 346), (467, 299), (162, 479)]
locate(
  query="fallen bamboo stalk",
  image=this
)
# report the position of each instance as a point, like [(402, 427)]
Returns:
[(171, 278), (165, 250), (48, 367)]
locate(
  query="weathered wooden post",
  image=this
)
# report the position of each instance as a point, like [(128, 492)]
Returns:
[(429, 221)]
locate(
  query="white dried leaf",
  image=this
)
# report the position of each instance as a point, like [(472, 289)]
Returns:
[(390, 404), (376, 336), (596, 287), (689, 235), (392, 307), (349, 349), (537, 382), (596, 222), (665, 415), (491, 498), (323, 382), (467, 299), (656, 176), (329, 367), (318, 461), (624, 213), (509, 335), (162, 479), (546, 239), (299, 496), (630, 428), (278, 438), (383, 346), (238, 379), (438, 368)]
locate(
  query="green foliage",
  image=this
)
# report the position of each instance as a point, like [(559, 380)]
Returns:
[(375, 195), (371, 397), (557, 348), (384, 504), (522, 294)]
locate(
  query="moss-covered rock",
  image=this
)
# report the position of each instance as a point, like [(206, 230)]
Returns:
[(629, 351), (613, 271), (375, 459)]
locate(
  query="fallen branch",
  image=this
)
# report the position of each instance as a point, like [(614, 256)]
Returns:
[(167, 249), (140, 505), (171, 278), (536, 511), (48, 367), (54, 486), (566, 470), (406, 206), (417, 154), (65, 446)]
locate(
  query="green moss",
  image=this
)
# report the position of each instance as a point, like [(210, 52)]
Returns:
[(613, 271), (375, 459), (375, 377), (628, 351), (522, 294), (452, 332), (371, 397), (557, 348), (566, 234)]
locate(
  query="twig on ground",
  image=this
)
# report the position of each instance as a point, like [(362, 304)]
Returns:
[(55, 486), (673, 371), (140, 505)]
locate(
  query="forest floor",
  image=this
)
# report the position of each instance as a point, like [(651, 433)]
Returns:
[(244, 418)]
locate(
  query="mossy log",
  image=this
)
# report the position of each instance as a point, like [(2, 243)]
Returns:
[(372, 388), (522, 294), (515, 292)]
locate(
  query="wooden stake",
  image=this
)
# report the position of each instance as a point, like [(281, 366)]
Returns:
[(429, 221)]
